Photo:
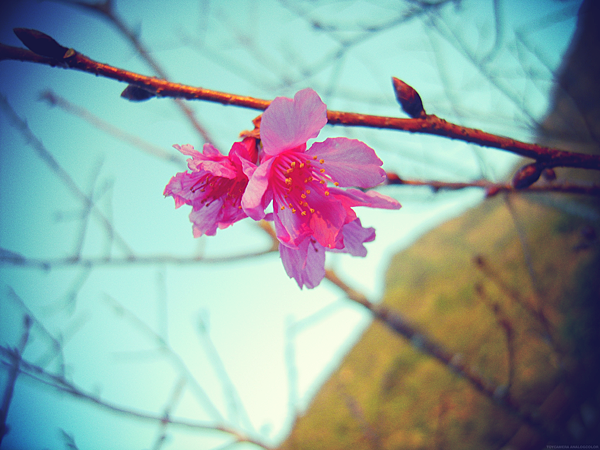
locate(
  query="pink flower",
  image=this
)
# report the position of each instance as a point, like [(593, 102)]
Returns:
[(310, 211), (306, 264), (214, 185)]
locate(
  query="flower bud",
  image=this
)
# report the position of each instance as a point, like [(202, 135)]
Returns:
[(549, 174), (40, 43), (409, 99), (527, 175), (136, 94)]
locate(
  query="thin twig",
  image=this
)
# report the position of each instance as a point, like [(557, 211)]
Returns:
[(62, 174), (237, 409), (493, 189), (58, 382), (15, 357), (16, 259), (55, 100), (106, 10), (201, 395)]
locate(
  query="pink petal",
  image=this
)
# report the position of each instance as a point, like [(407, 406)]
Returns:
[(349, 162), (354, 237), (179, 188), (256, 198), (288, 123), (372, 199), (305, 264), (205, 219), (290, 228), (210, 150), (187, 149)]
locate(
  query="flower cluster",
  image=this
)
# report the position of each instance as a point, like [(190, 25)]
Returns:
[(310, 211)]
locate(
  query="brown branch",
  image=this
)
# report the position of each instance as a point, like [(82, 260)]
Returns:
[(430, 124), (515, 295), (424, 343), (493, 189), (507, 327)]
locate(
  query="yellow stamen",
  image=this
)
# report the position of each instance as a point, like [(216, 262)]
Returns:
[(321, 161), (303, 213), (326, 192), (336, 183), (322, 170)]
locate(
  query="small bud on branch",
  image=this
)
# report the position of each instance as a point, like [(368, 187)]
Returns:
[(136, 94), (527, 175), (409, 99), (40, 43)]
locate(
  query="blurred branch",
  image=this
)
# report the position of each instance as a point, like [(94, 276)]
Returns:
[(429, 124), (236, 407), (201, 395), (60, 383), (507, 328), (424, 343), (169, 407), (55, 100), (492, 189), (106, 10), (60, 172), (57, 344), (515, 295), (14, 356), (16, 259), (357, 412)]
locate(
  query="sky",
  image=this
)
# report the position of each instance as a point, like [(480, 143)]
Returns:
[(171, 335)]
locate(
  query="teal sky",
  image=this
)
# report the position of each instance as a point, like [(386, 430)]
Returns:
[(465, 70)]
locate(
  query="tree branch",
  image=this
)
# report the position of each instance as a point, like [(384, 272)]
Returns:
[(427, 124)]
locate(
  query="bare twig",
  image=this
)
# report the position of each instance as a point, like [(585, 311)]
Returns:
[(507, 328), (106, 10), (358, 414), (236, 407), (82, 113), (515, 295), (201, 395), (14, 356), (492, 189), (60, 383), (62, 174)]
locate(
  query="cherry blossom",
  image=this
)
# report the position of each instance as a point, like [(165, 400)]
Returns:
[(214, 185), (310, 210)]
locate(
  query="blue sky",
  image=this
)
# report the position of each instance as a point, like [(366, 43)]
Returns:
[(252, 311)]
